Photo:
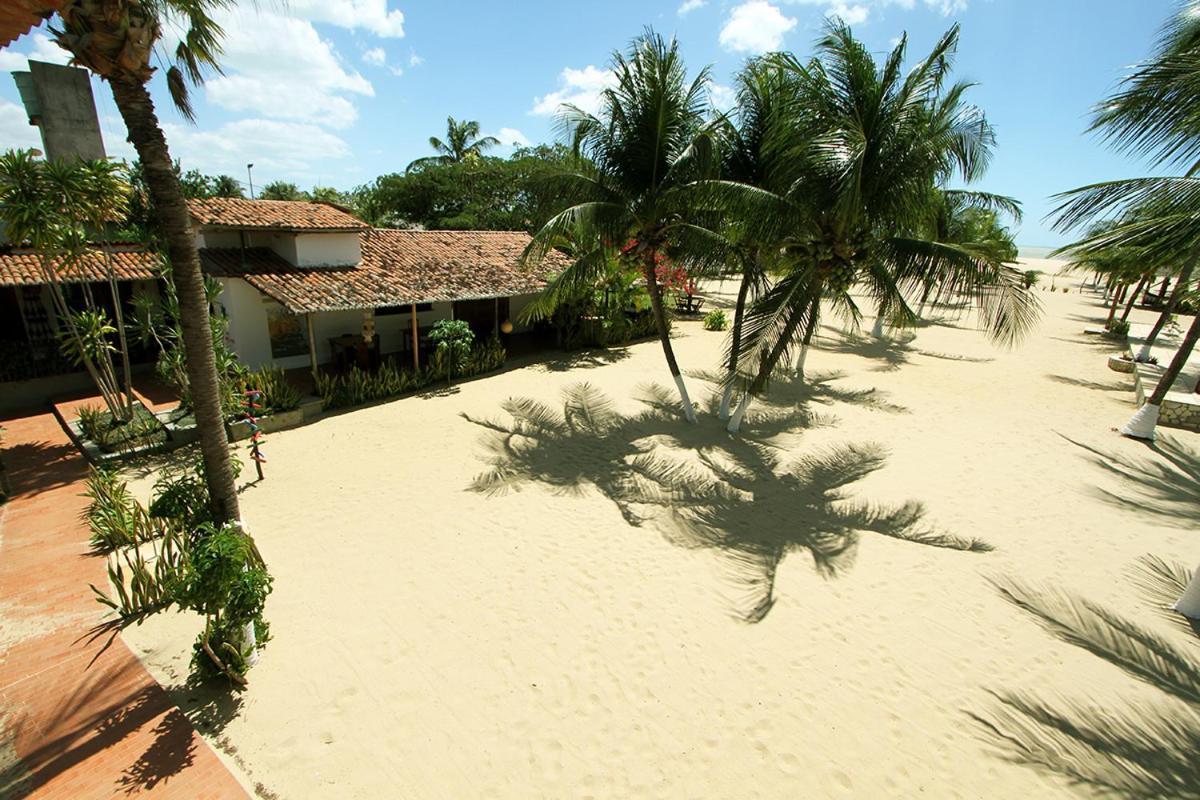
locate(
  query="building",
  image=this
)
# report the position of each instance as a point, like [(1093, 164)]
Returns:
[(307, 283), (302, 284)]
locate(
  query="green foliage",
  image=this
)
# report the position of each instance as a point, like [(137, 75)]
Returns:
[(281, 190), (463, 144), (1117, 327), (358, 387), (452, 340), (1031, 277), (89, 339), (715, 320), (277, 393), (477, 194), (112, 435), (192, 563)]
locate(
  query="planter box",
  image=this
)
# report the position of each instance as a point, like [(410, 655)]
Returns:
[(1118, 364), (95, 455)]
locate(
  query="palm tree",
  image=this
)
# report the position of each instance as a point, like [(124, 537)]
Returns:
[(862, 190), (281, 190), (754, 148), (463, 143), (227, 186), (57, 207), (116, 41), (1155, 113), (635, 188)]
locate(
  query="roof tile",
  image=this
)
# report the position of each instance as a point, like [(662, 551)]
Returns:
[(397, 268), (129, 264), (286, 215)]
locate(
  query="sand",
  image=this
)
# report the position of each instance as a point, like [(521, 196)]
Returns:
[(431, 640)]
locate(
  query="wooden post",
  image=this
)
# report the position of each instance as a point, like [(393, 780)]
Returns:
[(416, 355), (496, 309), (312, 345)]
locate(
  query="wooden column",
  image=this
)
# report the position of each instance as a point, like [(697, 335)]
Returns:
[(496, 309), (416, 355), (312, 345)]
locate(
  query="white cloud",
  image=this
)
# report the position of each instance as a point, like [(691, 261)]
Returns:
[(855, 12), (280, 67), (415, 60), (755, 27), (721, 97), (511, 137), (369, 15), (15, 130), (577, 87), (689, 6), (284, 150), (375, 56), (43, 49)]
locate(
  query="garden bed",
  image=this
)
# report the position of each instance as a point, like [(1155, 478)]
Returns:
[(102, 441)]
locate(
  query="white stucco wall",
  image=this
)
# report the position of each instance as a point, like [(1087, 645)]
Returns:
[(326, 249), (303, 249)]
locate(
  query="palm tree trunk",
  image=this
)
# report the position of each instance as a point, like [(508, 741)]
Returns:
[(1112, 309), (137, 110), (1188, 603), (808, 335), (768, 366), (664, 333), (1172, 302), (735, 344), (1141, 287), (1142, 424), (119, 315)]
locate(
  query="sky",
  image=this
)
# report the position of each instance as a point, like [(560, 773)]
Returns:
[(337, 92)]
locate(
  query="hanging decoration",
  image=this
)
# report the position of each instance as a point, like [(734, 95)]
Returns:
[(253, 408)]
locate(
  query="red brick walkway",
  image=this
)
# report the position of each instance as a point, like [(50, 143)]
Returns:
[(80, 729)]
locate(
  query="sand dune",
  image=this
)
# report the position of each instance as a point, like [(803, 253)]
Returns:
[(436, 640)]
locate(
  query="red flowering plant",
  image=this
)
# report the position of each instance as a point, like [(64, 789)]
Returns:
[(669, 274)]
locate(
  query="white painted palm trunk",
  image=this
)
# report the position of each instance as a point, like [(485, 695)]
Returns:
[(1188, 603), (1143, 423), (249, 644), (735, 422), (249, 639), (800, 359), (726, 399), (877, 331), (1144, 353), (688, 411)]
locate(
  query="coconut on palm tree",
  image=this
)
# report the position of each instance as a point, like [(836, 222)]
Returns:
[(116, 40), (462, 143), (637, 191), (861, 197)]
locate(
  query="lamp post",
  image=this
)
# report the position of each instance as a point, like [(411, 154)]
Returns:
[(250, 176)]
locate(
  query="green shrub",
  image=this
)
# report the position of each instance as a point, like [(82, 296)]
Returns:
[(452, 340), (1030, 278), (715, 320), (116, 520), (98, 426), (277, 394), (1118, 327)]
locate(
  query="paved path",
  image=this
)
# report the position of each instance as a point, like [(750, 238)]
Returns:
[(78, 729)]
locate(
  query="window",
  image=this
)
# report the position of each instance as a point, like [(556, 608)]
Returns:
[(391, 311)]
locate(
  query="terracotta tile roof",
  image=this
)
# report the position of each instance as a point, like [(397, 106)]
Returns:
[(18, 16), (398, 268), (23, 268), (280, 215)]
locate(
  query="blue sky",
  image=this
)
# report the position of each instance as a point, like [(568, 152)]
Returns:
[(335, 92)]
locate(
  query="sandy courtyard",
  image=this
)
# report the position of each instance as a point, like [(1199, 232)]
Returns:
[(436, 641)]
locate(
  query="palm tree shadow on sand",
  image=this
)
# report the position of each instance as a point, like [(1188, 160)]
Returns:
[(892, 352), (804, 392), (703, 488), (1166, 487), (1140, 750)]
